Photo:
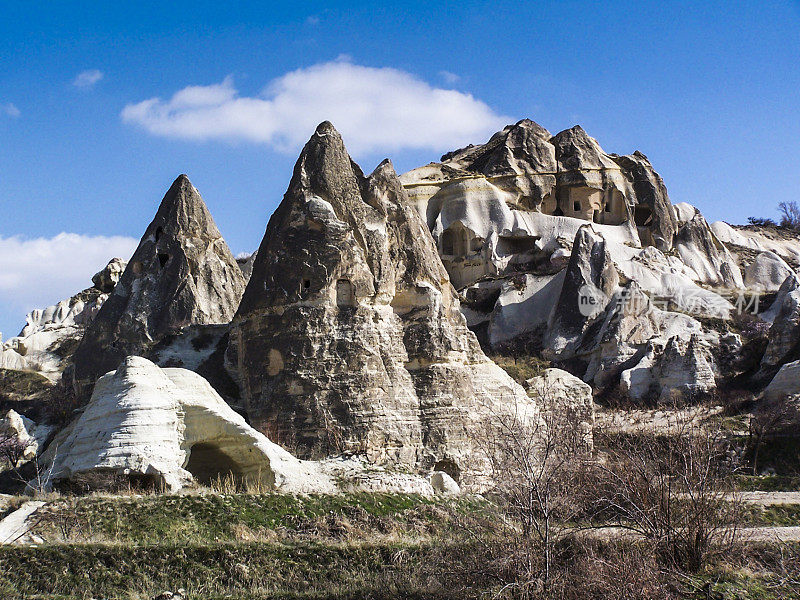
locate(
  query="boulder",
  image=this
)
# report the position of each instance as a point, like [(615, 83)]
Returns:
[(785, 383), (106, 279), (182, 273), (349, 335), (766, 273), (568, 405), (443, 484)]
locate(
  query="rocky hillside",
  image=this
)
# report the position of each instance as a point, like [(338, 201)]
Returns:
[(361, 326)]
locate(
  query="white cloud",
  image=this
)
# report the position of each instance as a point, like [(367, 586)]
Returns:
[(35, 273), (381, 109), (449, 77), (87, 79), (10, 110)]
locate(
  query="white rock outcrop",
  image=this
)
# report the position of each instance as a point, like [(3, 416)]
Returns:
[(171, 428), (785, 383), (766, 273), (45, 343), (19, 427), (569, 398)]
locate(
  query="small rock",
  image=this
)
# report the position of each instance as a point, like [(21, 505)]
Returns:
[(443, 484)]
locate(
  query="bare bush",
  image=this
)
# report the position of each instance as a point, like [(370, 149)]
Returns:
[(771, 419), (673, 491), (537, 464)]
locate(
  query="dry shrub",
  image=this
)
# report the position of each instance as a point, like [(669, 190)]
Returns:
[(673, 491)]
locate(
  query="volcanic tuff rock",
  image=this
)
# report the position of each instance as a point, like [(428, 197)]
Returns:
[(50, 335), (700, 250), (170, 427), (498, 207), (182, 273), (784, 335), (589, 282), (349, 335)]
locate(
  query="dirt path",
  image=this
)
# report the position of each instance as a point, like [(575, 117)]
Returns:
[(770, 498)]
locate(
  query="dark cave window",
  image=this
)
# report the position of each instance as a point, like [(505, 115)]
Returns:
[(306, 284), (159, 233), (576, 206), (642, 215), (162, 259)]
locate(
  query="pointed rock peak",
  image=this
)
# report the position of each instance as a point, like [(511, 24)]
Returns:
[(327, 128), (181, 274), (534, 127)]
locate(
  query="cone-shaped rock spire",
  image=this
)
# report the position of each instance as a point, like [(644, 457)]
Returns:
[(349, 335), (182, 273)]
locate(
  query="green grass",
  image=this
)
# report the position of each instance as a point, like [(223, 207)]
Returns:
[(779, 515), (767, 483), (212, 518), (251, 546)]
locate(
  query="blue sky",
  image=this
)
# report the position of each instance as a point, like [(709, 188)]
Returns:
[(103, 104)]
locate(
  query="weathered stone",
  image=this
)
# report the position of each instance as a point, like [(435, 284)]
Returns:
[(571, 401), (784, 335), (785, 383), (170, 428), (349, 335), (589, 282), (700, 250), (106, 279), (443, 484), (181, 274), (50, 335), (632, 327), (766, 273)]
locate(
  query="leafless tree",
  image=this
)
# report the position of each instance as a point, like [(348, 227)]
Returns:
[(790, 215), (536, 461)]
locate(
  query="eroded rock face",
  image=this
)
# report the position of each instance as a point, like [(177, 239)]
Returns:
[(181, 274), (511, 203), (589, 282), (784, 335), (633, 335), (700, 250), (50, 335), (766, 273), (349, 335)]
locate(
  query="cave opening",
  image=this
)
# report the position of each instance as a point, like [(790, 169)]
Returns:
[(208, 463), (450, 467), (162, 259)]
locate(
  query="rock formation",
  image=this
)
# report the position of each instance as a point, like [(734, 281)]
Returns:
[(784, 335), (50, 335), (169, 428), (182, 273), (700, 250), (589, 282), (510, 203), (571, 402), (785, 383), (766, 273), (349, 335)]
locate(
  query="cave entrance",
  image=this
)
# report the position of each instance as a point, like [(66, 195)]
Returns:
[(208, 463), (449, 467)]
